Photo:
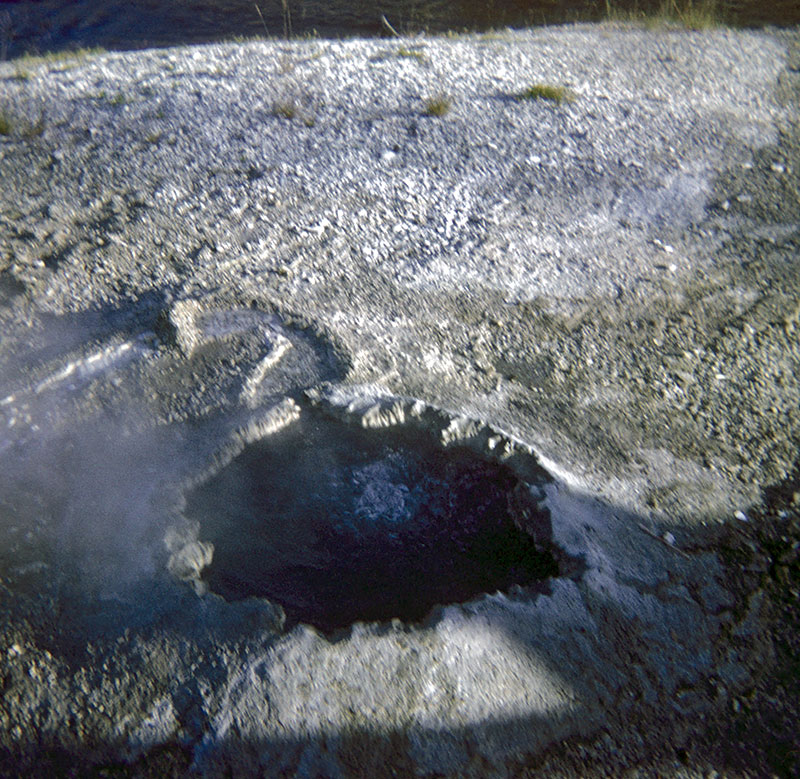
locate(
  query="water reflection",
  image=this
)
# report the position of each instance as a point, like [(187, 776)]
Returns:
[(64, 24)]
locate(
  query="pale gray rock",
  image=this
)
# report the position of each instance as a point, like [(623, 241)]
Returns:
[(178, 325)]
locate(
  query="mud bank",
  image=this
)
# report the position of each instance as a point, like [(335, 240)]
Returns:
[(587, 308)]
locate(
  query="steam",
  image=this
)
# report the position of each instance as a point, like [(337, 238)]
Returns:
[(89, 466), (84, 504), (80, 482)]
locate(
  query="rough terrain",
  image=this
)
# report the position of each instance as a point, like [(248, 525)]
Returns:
[(199, 245)]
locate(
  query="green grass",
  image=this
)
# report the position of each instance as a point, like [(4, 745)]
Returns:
[(6, 125), (689, 14), (555, 94), (411, 54), (438, 105), (695, 14), (57, 57)]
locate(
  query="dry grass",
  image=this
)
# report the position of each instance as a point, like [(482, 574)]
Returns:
[(286, 109), (405, 53), (438, 105), (555, 94), (690, 14), (57, 57), (13, 124), (699, 15)]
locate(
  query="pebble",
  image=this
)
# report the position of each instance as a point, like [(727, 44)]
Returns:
[(741, 516)]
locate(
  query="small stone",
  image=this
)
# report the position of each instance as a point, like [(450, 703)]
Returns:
[(741, 516), (669, 538), (188, 562), (177, 325)]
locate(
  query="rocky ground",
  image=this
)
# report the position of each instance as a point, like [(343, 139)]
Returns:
[(595, 286)]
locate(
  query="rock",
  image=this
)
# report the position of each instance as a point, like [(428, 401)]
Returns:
[(177, 326)]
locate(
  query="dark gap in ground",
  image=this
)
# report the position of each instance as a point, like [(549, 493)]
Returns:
[(340, 524)]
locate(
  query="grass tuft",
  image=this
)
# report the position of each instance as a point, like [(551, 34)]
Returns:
[(699, 15), (286, 109), (11, 124), (555, 94), (58, 57), (438, 105), (690, 14), (410, 54)]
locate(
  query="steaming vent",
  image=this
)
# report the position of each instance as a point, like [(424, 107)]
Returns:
[(368, 515)]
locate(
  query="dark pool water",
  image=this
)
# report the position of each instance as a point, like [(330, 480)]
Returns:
[(339, 524), (52, 25)]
